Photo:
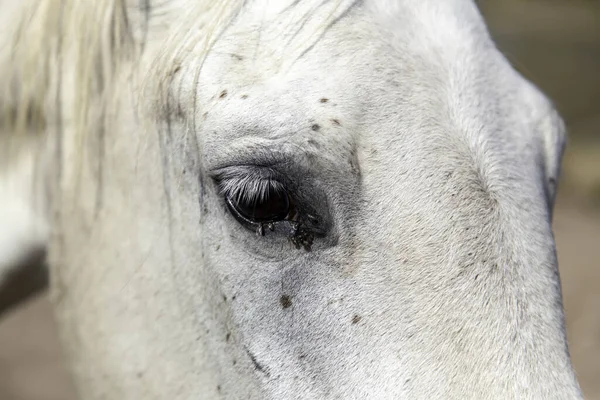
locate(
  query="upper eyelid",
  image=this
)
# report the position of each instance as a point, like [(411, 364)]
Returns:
[(297, 178), (245, 172), (261, 165), (246, 154)]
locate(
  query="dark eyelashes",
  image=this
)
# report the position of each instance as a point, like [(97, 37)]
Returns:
[(248, 184)]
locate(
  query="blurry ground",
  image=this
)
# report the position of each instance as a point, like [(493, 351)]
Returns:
[(555, 43), (31, 366)]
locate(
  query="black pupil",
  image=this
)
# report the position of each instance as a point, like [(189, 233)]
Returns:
[(273, 207)]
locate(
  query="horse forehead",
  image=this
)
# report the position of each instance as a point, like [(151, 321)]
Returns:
[(353, 72), (312, 40)]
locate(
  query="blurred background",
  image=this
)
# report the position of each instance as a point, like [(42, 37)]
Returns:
[(554, 43)]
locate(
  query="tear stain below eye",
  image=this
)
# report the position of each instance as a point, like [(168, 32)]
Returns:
[(302, 238), (298, 234)]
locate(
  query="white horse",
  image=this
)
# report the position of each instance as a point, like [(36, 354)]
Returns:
[(284, 199)]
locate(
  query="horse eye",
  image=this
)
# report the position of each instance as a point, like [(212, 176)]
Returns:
[(274, 206)]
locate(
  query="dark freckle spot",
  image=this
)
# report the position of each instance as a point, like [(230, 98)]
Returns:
[(233, 297), (223, 94), (315, 127), (224, 298), (217, 247), (469, 254), (356, 319), (324, 100), (140, 374), (227, 337), (234, 362), (336, 122), (218, 388), (286, 301), (244, 96), (313, 142)]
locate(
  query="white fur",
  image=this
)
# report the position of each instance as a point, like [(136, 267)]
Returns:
[(429, 161)]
